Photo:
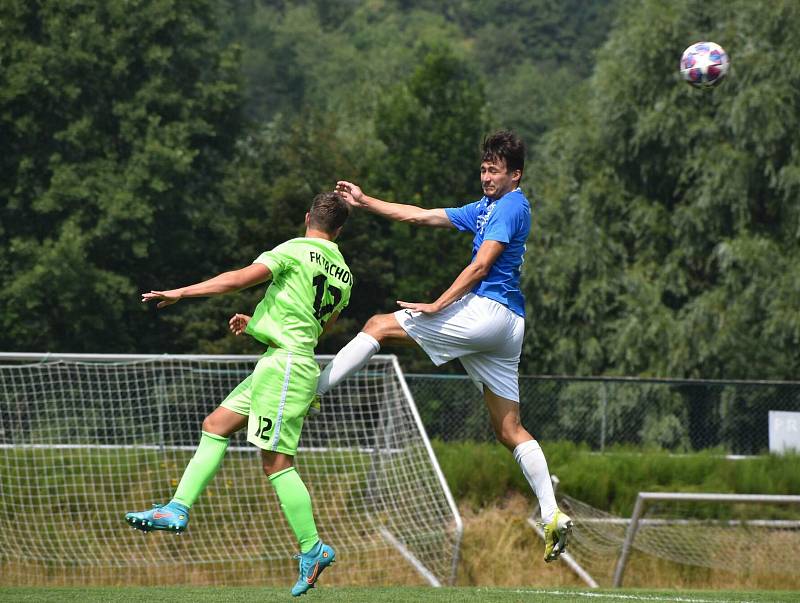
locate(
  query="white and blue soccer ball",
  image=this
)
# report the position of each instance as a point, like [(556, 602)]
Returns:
[(704, 64)]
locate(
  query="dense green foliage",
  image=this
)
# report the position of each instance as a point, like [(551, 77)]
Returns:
[(116, 120), (668, 230), (153, 143)]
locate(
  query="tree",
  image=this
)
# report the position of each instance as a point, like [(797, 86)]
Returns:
[(431, 127), (668, 229), (117, 120)]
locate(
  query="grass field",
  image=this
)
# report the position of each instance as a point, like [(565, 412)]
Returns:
[(385, 595), (499, 550)]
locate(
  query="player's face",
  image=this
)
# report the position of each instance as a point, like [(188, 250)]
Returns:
[(496, 180)]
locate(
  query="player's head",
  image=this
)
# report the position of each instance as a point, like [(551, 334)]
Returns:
[(328, 214), (502, 163)]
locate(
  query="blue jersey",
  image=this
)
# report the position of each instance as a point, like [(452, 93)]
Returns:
[(507, 220)]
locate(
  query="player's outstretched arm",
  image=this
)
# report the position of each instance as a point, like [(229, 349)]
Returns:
[(226, 282), (400, 212), (487, 255)]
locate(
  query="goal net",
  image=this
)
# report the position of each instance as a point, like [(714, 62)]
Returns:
[(85, 439), (750, 536)]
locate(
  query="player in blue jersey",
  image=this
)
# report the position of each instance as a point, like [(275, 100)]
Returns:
[(479, 319)]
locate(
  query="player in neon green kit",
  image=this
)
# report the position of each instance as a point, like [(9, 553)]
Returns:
[(311, 284)]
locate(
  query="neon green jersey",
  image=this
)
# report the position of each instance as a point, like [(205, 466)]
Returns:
[(310, 281)]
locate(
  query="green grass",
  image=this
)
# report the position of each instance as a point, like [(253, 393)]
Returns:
[(484, 478), (383, 594)]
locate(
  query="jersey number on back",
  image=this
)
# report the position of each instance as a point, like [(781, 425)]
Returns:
[(321, 286)]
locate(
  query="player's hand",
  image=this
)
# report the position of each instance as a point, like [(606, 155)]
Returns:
[(164, 298), (351, 193), (238, 323), (415, 307)]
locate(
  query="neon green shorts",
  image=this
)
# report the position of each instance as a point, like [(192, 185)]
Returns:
[(276, 397)]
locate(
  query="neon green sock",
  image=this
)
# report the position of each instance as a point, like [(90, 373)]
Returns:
[(201, 469), (296, 505)]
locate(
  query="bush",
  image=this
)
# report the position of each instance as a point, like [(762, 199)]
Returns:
[(480, 473)]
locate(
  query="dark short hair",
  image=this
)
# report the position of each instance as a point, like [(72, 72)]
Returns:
[(328, 212), (507, 146)]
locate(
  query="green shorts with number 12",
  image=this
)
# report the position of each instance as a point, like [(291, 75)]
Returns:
[(276, 397)]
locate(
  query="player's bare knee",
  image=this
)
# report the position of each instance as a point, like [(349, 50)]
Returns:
[(373, 325), (274, 462), (506, 438), (509, 433), (210, 425), (379, 326)]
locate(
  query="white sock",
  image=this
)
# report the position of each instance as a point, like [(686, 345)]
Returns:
[(531, 459), (350, 359)]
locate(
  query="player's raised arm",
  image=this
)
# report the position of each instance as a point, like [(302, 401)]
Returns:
[(399, 212), (226, 282)]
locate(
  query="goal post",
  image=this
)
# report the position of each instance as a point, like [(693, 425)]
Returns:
[(687, 540), (749, 537), (86, 438)]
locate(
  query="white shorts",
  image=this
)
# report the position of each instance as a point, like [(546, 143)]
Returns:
[(484, 334)]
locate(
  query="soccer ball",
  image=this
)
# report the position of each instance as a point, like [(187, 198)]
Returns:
[(704, 64)]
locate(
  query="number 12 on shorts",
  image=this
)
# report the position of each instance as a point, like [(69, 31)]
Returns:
[(263, 428)]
